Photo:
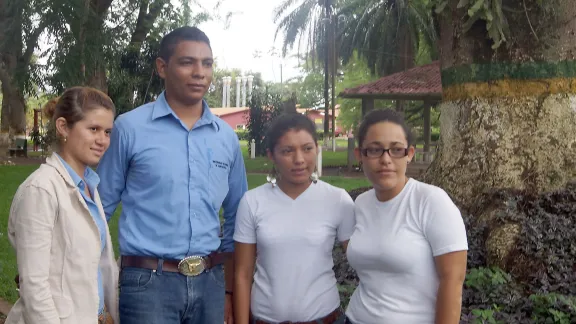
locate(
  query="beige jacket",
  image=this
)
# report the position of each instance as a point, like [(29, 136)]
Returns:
[(58, 250)]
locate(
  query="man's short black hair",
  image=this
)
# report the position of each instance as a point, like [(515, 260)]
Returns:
[(173, 38)]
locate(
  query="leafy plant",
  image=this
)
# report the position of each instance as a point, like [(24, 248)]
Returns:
[(489, 11), (264, 107)]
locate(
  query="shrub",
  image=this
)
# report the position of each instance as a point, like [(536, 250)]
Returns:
[(544, 253), (542, 280), (243, 135), (264, 106)]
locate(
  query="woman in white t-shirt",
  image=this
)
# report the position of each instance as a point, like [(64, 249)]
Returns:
[(409, 247), (287, 229)]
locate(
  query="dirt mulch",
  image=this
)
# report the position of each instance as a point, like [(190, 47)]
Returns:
[(4, 309)]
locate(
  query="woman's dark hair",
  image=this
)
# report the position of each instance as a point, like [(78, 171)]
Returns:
[(73, 105), (286, 122), (178, 35), (379, 116)]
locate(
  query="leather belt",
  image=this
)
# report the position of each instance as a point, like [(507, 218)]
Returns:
[(189, 266), (328, 319)]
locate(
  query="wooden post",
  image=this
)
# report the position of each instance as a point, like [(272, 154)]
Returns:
[(367, 105), (427, 130), (351, 157)]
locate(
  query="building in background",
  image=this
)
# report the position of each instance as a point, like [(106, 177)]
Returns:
[(237, 117)]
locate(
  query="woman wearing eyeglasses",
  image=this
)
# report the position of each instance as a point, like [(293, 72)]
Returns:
[(409, 247)]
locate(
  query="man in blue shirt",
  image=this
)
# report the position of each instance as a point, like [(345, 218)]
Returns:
[(173, 165)]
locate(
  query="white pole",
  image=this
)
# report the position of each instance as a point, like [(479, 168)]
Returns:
[(250, 79), (334, 144), (319, 162), (238, 91), (228, 92), (244, 91), (253, 149)]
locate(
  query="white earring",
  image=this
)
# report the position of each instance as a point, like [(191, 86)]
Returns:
[(271, 179), (314, 177)]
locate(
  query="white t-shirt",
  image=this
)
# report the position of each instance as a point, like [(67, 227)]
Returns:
[(393, 250), (294, 280)]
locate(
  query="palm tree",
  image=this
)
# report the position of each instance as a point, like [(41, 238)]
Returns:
[(310, 19), (389, 34)]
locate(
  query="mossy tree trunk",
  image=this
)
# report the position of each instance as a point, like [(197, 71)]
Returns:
[(508, 117)]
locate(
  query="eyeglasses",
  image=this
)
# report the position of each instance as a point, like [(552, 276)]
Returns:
[(376, 152)]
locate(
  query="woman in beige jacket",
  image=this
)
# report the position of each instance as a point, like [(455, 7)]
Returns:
[(66, 264)]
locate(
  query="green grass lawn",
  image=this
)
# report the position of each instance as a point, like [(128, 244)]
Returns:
[(12, 176)]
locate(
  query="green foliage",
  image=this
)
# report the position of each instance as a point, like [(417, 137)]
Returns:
[(242, 135), (264, 107), (303, 21), (309, 87), (387, 33), (43, 139), (490, 11), (356, 72)]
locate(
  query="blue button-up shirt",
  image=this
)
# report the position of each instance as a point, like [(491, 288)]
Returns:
[(91, 180), (172, 182)]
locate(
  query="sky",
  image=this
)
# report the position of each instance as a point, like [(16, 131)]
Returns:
[(251, 29)]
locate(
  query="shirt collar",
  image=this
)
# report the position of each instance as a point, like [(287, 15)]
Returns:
[(162, 108), (90, 177)]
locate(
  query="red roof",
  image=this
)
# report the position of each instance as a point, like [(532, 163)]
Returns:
[(417, 83)]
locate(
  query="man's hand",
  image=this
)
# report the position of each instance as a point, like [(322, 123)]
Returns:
[(228, 310)]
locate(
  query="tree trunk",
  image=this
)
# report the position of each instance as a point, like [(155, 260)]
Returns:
[(4, 124), (15, 55), (508, 119), (92, 59), (4, 119)]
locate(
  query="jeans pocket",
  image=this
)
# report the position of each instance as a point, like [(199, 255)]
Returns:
[(135, 280), (217, 275)]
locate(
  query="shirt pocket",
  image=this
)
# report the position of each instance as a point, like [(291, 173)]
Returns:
[(218, 171)]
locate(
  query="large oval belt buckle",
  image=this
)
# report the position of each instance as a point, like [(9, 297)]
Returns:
[(192, 266)]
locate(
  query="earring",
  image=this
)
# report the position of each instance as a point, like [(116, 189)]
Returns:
[(314, 176), (65, 139), (271, 178)]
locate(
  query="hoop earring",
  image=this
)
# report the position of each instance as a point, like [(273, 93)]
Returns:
[(314, 176), (271, 177)]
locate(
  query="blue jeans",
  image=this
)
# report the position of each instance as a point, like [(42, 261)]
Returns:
[(156, 296)]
